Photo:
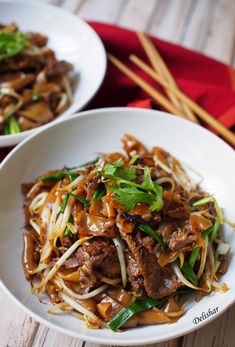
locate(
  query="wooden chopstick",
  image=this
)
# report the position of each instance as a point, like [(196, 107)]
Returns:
[(161, 68), (145, 86), (202, 114)]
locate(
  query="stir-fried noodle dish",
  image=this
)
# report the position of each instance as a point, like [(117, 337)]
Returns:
[(35, 87), (118, 242)]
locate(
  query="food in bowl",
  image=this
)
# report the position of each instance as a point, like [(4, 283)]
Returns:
[(35, 87), (119, 241)]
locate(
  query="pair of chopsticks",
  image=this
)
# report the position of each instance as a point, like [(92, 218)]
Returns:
[(177, 102)]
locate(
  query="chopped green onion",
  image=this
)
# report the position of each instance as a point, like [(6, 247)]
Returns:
[(67, 230), (60, 175), (142, 305), (148, 230), (11, 126), (6, 128), (64, 203), (214, 230), (35, 95), (193, 256), (126, 313), (210, 199), (84, 201), (94, 161), (133, 159), (203, 201), (188, 272), (99, 192)]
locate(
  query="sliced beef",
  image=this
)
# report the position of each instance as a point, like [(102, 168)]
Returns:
[(37, 39), (100, 255), (134, 276), (181, 238), (158, 281), (176, 236), (174, 207), (58, 68), (147, 242)]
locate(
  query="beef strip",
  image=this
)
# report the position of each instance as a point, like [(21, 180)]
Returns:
[(134, 276), (182, 238), (158, 281), (37, 39), (174, 207), (100, 255)]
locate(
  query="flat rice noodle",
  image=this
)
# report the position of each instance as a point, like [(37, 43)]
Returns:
[(109, 206), (199, 223), (90, 304), (30, 256), (70, 276), (105, 310), (172, 305), (124, 225), (96, 208), (93, 225), (120, 295), (164, 259), (153, 317), (162, 155), (112, 310), (130, 144)]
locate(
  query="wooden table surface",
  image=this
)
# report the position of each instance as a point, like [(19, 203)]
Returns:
[(207, 26)]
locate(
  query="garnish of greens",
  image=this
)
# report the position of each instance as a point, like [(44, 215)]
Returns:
[(12, 44), (138, 306), (60, 175), (128, 192), (148, 230), (11, 126)]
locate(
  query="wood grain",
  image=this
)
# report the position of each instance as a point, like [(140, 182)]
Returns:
[(205, 25)]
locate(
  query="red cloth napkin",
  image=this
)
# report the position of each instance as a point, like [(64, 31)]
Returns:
[(207, 81)]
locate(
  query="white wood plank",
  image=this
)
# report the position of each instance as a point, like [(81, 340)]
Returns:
[(103, 10), (16, 329), (71, 5), (136, 15), (212, 29), (170, 18), (172, 343), (220, 41), (50, 338), (219, 333)]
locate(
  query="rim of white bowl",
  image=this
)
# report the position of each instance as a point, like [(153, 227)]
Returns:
[(16, 138), (107, 340)]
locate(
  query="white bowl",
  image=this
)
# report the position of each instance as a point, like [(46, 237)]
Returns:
[(72, 40), (77, 140)]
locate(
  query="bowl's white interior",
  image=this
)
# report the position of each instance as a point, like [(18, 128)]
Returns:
[(79, 139), (72, 40)]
